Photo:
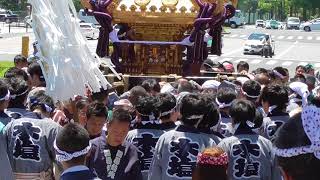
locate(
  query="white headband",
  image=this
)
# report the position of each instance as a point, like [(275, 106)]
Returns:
[(278, 74), (168, 112), (223, 105), (195, 117), (311, 124), (6, 97), (62, 156), (17, 95), (250, 96)]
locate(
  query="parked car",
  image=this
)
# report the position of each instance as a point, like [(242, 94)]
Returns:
[(236, 21), (311, 25), (89, 30), (255, 42), (267, 24), (259, 23), (8, 16), (293, 23), (274, 24)]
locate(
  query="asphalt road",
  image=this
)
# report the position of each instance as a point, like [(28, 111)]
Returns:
[(293, 47)]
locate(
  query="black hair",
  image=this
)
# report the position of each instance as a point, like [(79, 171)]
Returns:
[(280, 70), (146, 105), (39, 100), (192, 104), (73, 138), (14, 72), (19, 88), (35, 69), (258, 119), (81, 103), (243, 64), (3, 88), (101, 95), (185, 86), (310, 80), (212, 114), (226, 95), (300, 66), (251, 88), (292, 135), (260, 71), (151, 85), (242, 111), (121, 114), (135, 93), (275, 94), (97, 109), (19, 58), (166, 102), (299, 78)]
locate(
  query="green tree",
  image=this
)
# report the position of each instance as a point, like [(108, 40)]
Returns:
[(77, 4), (14, 5)]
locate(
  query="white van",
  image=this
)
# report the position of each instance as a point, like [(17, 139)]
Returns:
[(86, 18), (237, 20)]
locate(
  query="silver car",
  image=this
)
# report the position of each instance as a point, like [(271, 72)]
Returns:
[(255, 42)]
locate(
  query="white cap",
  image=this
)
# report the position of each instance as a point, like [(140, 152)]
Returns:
[(211, 84)]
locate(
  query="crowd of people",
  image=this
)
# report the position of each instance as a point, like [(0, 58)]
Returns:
[(264, 126)]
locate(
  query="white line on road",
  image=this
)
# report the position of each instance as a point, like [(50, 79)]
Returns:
[(236, 61), (287, 63), (287, 50), (232, 52), (310, 37), (256, 61), (317, 65), (280, 37), (300, 37), (243, 36), (271, 62), (235, 35), (290, 37)]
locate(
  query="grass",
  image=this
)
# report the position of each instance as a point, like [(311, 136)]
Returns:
[(4, 66)]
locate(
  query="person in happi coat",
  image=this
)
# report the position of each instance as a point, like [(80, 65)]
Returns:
[(146, 134), (250, 155), (97, 114), (4, 102), (111, 156), (72, 145), (274, 100), (176, 150), (30, 141), (296, 145)]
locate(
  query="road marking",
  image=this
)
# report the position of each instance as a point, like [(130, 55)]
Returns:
[(235, 35), (300, 37), (243, 36), (290, 37), (303, 63), (225, 59), (280, 37), (317, 65), (256, 61), (310, 37), (318, 38), (287, 50), (236, 61), (232, 52), (287, 63), (271, 62)]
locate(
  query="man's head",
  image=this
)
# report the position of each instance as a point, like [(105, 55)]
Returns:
[(225, 97), (146, 107), (20, 62), (19, 90), (167, 107), (300, 70), (192, 109), (274, 95), (96, 118), (4, 95), (311, 82), (72, 139), (242, 111), (101, 96), (242, 67), (135, 93), (41, 103), (185, 86), (118, 126), (251, 90), (279, 74), (228, 66), (17, 73), (37, 78), (309, 69), (151, 86)]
